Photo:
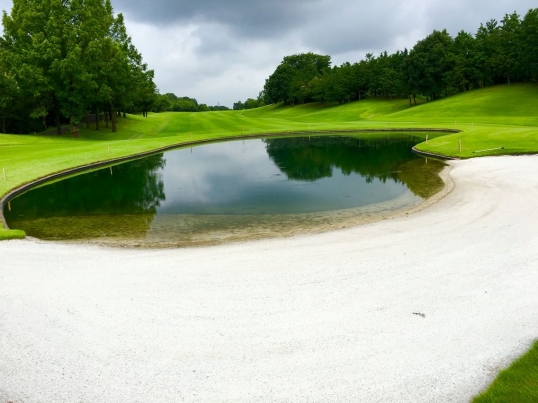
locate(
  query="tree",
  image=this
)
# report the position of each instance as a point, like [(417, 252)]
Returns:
[(510, 56), (430, 61), (464, 74), (72, 56), (291, 80), (528, 40), (238, 106), (9, 92)]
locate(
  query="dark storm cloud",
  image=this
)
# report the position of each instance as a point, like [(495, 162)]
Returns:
[(328, 26), (246, 17)]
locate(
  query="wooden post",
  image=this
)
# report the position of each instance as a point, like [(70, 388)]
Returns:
[(5, 177), (426, 138), (9, 205), (460, 144), (111, 171)]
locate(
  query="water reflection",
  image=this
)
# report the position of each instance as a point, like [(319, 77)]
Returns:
[(75, 207), (231, 190), (313, 158)]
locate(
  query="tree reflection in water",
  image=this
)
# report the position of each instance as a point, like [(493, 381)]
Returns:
[(124, 198), (314, 158)]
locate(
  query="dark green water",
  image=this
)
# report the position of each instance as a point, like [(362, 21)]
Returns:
[(231, 190)]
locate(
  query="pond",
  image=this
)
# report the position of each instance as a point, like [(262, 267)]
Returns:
[(233, 190)]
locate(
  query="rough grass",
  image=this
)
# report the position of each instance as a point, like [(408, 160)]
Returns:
[(518, 383)]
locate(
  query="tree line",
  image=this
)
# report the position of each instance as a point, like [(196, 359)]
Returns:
[(62, 60), (172, 103), (437, 66), (250, 103)]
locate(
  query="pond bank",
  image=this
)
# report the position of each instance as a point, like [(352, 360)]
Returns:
[(23, 187)]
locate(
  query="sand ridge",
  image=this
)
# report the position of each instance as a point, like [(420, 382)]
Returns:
[(423, 307)]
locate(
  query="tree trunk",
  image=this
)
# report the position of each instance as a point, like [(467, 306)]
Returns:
[(106, 117), (57, 117), (74, 126), (508, 76), (415, 99), (113, 117), (96, 118)]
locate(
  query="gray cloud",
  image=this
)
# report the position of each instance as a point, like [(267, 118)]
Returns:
[(245, 17)]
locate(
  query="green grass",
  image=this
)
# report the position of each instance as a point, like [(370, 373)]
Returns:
[(8, 234), (518, 383)]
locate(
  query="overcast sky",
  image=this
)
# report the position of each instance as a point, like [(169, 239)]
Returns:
[(221, 51)]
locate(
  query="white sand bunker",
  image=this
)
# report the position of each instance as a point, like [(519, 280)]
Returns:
[(421, 308)]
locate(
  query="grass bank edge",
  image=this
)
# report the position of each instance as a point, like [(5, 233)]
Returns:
[(517, 383), (11, 234)]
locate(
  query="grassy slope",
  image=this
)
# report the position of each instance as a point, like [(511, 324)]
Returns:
[(503, 116)]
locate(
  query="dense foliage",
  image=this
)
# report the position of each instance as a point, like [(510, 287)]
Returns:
[(62, 60), (250, 103), (172, 103), (437, 66)]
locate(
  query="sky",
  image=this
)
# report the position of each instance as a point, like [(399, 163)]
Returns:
[(221, 51)]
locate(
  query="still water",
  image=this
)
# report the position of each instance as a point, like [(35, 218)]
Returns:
[(230, 191)]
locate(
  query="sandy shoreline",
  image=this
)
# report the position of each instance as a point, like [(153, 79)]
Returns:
[(325, 317)]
